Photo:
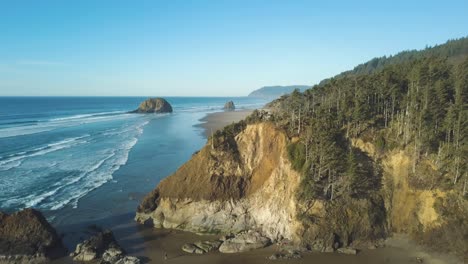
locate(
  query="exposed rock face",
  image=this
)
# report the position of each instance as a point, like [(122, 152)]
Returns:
[(229, 106), (244, 241), (27, 237), (248, 186), (154, 105), (104, 247)]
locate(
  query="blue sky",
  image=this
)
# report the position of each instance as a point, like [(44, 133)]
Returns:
[(205, 48)]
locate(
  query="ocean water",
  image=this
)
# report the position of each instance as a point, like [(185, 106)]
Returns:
[(85, 158)]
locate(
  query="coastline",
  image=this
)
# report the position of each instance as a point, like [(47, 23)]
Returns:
[(150, 244), (147, 243), (218, 120)]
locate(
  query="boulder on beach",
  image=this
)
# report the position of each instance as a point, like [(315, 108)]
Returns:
[(349, 251), (27, 237), (102, 247), (202, 247), (154, 105), (244, 241), (229, 106)]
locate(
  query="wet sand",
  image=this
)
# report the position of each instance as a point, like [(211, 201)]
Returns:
[(215, 121), (151, 244)]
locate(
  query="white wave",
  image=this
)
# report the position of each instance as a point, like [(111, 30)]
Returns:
[(67, 140), (94, 179), (62, 123), (10, 166), (21, 131), (99, 164), (70, 189), (62, 144), (85, 115), (34, 200)]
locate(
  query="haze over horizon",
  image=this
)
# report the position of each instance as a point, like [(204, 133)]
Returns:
[(205, 48)]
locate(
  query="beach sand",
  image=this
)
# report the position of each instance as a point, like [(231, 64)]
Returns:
[(150, 244), (218, 120)]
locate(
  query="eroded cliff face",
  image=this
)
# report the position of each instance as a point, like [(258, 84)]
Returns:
[(248, 183), (433, 216), (249, 186), (408, 209)]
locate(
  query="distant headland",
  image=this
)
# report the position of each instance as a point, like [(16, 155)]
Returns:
[(273, 92)]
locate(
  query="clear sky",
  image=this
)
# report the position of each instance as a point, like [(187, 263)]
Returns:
[(205, 48)]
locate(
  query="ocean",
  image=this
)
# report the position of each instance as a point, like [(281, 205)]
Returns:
[(85, 159)]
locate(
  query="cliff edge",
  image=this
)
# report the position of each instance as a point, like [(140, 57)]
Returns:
[(235, 183)]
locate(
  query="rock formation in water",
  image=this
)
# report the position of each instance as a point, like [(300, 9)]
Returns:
[(229, 106), (27, 237), (104, 248), (154, 105)]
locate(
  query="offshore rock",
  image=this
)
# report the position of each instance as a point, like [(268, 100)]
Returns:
[(154, 105), (229, 106)]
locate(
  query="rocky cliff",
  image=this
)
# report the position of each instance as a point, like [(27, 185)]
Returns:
[(432, 216), (248, 185), (246, 182), (27, 237)]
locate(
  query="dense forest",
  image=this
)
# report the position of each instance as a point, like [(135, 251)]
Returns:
[(454, 50), (417, 102), (413, 103)]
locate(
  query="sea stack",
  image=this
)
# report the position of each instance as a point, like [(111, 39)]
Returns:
[(154, 105), (229, 106), (27, 237)]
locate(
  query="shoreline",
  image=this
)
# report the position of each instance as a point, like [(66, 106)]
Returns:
[(218, 120), (150, 244)]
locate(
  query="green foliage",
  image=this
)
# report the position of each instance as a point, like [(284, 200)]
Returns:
[(380, 142), (296, 153), (452, 235), (452, 49), (225, 139), (415, 101)]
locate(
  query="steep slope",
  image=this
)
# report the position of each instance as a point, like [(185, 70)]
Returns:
[(249, 185), (347, 163)]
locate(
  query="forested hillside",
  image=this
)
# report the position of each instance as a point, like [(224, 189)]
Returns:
[(413, 104), (420, 104), (455, 50)]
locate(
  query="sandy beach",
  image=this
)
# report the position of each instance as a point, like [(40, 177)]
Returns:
[(218, 120), (151, 244)]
